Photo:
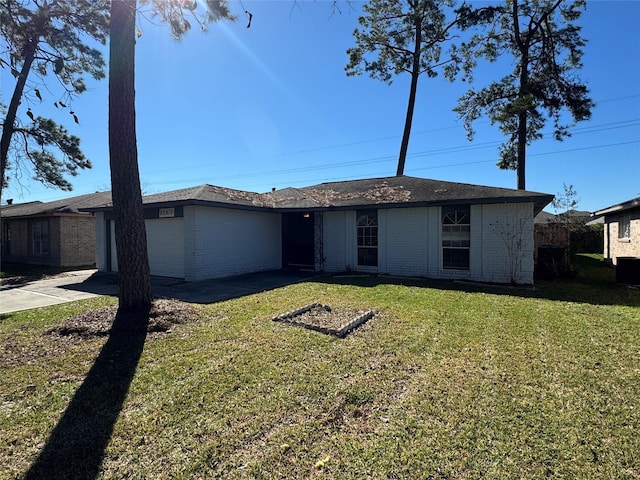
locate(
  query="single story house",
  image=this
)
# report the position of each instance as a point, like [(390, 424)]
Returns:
[(621, 230), (54, 233), (401, 225)]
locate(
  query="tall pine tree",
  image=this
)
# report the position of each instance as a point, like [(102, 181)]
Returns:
[(544, 42), (405, 36), (46, 40), (135, 291)]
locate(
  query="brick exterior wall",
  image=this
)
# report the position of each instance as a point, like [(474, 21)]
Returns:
[(72, 241), (410, 243), (210, 243), (615, 247), (405, 244), (20, 244), (506, 249), (221, 242), (339, 240), (77, 241)]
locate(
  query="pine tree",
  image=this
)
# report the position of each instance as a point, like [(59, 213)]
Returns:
[(47, 39), (544, 41), (135, 291), (405, 36)]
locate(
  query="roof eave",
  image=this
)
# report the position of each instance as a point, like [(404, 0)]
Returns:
[(539, 201), (621, 207), (186, 202)]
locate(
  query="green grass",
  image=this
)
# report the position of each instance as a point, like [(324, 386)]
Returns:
[(447, 381)]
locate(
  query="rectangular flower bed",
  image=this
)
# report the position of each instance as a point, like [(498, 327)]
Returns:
[(325, 319)]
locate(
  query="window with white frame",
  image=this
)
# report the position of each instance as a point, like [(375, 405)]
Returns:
[(624, 227), (367, 226), (456, 237), (40, 237)]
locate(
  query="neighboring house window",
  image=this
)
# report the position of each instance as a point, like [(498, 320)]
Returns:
[(6, 239), (367, 238), (456, 236), (624, 227), (40, 234)]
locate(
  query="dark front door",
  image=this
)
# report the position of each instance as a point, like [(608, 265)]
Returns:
[(297, 241)]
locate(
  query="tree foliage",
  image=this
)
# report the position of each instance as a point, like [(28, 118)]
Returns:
[(42, 39), (544, 41), (565, 201), (135, 291), (36, 141), (404, 36), (181, 14)]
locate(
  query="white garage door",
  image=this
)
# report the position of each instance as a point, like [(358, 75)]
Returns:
[(165, 244)]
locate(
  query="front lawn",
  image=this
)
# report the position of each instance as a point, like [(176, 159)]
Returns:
[(446, 381)]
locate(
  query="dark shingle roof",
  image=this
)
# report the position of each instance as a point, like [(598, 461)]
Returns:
[(68, 205), (404, 190), (544, 218), (207, 194), (387, 191), (399, 191), (574, 215)]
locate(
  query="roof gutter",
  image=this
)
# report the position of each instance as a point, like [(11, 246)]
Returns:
[(618, 208)]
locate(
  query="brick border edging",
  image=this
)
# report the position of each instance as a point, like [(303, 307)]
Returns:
[(343, 332)]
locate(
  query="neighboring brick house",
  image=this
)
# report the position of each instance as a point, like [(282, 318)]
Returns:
[(400, 225), (621, 230), (51, 233)]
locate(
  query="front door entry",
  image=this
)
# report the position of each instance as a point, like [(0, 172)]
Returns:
[(297, 241)]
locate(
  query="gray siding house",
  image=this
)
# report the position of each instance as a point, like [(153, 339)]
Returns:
[(404, 226)]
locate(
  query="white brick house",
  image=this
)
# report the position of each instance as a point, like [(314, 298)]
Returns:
[(402, 226)]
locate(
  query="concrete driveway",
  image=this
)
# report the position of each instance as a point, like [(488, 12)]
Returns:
[(50, 291), (78, 285)]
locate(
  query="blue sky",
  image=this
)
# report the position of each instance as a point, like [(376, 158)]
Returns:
[(271, 106)]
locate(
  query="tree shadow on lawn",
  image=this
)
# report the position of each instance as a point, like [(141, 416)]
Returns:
[(594, 283), (75, 448)]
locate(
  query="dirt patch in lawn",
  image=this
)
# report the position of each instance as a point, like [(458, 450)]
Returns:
[(164, 314), (325, 319), (89, 327)]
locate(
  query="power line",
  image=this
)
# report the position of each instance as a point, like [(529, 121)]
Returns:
[(431, 167), (425, 153), (531, 155), (421, 132)]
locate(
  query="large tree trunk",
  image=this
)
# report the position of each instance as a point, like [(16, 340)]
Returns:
[(415, 73), (523, 46), (522, 149), (135, 291), (9, 123)]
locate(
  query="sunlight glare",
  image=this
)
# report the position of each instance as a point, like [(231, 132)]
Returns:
[(257, 62)]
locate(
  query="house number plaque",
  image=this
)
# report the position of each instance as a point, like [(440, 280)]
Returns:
[(167, 213)]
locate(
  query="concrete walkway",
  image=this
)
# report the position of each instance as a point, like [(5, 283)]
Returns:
[(72, 286)]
